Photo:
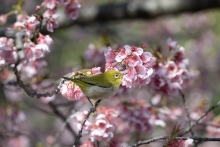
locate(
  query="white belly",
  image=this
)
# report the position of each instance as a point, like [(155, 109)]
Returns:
[(96, 92)]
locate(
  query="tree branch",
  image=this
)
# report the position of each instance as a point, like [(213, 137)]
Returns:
[(61, 116), (65, 123), (197, 121), (187, 111), (176, 138), (93, 109)]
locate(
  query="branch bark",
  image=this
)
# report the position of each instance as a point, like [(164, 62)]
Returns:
[(176, 138)]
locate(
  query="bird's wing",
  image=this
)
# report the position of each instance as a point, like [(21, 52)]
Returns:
[(93, 80)]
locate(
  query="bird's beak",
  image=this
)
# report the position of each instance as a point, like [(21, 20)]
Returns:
[(124, 73)]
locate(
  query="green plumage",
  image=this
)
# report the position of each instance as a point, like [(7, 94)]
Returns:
[(99, 86)]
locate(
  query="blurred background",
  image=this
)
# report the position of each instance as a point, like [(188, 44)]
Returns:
[(195, 27)]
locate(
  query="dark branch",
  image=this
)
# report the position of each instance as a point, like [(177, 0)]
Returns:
[(32, 93), (187, 111), (61, 116), (197, 121), (93, 109), (65, 123), (176, 138)]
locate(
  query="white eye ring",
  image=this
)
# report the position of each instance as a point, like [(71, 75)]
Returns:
[(116, 76)]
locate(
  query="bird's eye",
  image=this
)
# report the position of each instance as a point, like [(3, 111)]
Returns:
[(116, 76)]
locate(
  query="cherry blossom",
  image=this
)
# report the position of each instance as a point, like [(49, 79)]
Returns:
[(30, 25), (87, 144), (52, 4), (95, 56), (172, 75), (101, 127), (51, 18), (181, 143), (3, 19), (8, 53), (133, 61), (71, 91), (104, 126), (71, 8), (137, 114), (78, 118)]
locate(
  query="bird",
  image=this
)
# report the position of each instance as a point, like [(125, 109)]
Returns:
[(99, 86)]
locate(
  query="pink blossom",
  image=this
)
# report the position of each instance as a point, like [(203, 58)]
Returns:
[(52, 19), (72, 8), (3, 19), (172, 44), (37, 8), (87, 144), (134, 62), (7, 51), (169, 114), (102, 130), (30, 25), (78, 118), (30, 51), (71, 91), (35, 51), (181, 143), (96, 70), (95, 56), (45, 39), (101, 127), (137, 114), (22, 17), (110, 55), (109, 113), (104, 126), (52, 4), (7, 56), (30, 69), (169, 78)]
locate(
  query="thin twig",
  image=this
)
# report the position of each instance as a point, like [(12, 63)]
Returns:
[(197, 121), (209, 124), (32, 93), (65, 123), (60, 115), (187, 111), (93, 109), (176, 138)]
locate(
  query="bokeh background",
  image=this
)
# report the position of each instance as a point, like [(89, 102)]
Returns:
[(198, 32)]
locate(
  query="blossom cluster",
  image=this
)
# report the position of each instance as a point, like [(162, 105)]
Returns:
[(133, 61), (7, 51), (102, 128), (71, 8), (171, 75), (30, 24), (95, 56), (137, 114), (70, 90)]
